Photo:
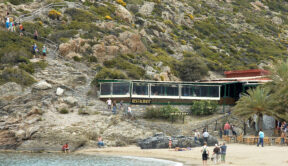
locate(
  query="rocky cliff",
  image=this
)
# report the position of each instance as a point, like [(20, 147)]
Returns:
[(45, 103)]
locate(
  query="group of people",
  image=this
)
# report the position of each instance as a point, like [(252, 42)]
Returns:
[(197, 135), (227, 127), (35, 51), (66, 149), (113, 105), (12, 26), (217, 152)]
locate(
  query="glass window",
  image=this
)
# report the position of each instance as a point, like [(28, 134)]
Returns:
[(214, 91), (164, 90), (121, 88), (200, 91), (140, 89), (105, 88)]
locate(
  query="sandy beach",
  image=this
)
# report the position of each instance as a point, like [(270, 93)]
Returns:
[(237, 154)]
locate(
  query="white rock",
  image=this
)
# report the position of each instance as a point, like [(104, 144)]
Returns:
[(70, 100), (59, 91), (42, 85), (277, 20), (124, 14), (147, 8)]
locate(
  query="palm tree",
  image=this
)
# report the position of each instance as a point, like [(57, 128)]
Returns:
[(256, 102), (279, 89)]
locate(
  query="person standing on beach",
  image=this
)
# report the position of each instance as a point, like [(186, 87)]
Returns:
[(205, 153), (226, 128), (216, 154), (170, 143), (283, 135), (223, 152), (205, 136), (196, 136), (114, 107), (109, 103), (261, 137)]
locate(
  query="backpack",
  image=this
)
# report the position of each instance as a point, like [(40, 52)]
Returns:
[(204, 151)]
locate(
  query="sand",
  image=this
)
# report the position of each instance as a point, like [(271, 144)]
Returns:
[(237, 154)]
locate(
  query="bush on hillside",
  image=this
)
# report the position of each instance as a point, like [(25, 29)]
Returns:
[(54, 14), (133, 70), (106, 73), (16, 75), (192, 69), (164, 112), (60, 35), (18, 2), (203, 107), (42, 31), (81, 15), (11, 55), (103, 11)]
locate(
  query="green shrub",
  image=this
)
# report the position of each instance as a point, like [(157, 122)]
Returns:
[(42, 31), (81, 15), (92, 59), (16, 75), (164, 112), (18, 2), (122, 62), (103, 10), (59, 35), (64, 111), (28, 67), (106, 73), (15, 49), (191, 69), (83, 111), (77, 58), (203, 107)]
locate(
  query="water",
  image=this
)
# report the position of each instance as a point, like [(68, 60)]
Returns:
[(55, 159)]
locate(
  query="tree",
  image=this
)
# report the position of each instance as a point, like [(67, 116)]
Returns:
[(279, 89), (257, 101), (192, 69)]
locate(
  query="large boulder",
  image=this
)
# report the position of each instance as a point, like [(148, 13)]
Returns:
[(210, 142), (160, 141), (124, 14), (42, 85), (132, 41), (147, 8)]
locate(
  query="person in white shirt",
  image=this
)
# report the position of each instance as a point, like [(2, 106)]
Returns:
[(109, 103), (196, 136), (205, 136), (129, 111)]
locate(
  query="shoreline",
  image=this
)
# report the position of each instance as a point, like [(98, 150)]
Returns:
[(237, 154)]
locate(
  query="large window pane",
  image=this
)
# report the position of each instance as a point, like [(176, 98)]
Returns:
[(140, 89), (200, 91), (164, 90), (121, 88), (204, 90), (172, 90), (214, 91), (106, 89)]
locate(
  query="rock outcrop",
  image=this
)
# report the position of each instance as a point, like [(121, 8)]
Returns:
[(160, 141)]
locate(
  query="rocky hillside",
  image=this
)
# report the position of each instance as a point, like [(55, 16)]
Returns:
[(44, 103)]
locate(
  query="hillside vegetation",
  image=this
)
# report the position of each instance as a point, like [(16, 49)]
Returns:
[(158, 39)]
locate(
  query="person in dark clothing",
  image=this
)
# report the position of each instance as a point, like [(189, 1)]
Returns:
[(223, 152), (216, 154)]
